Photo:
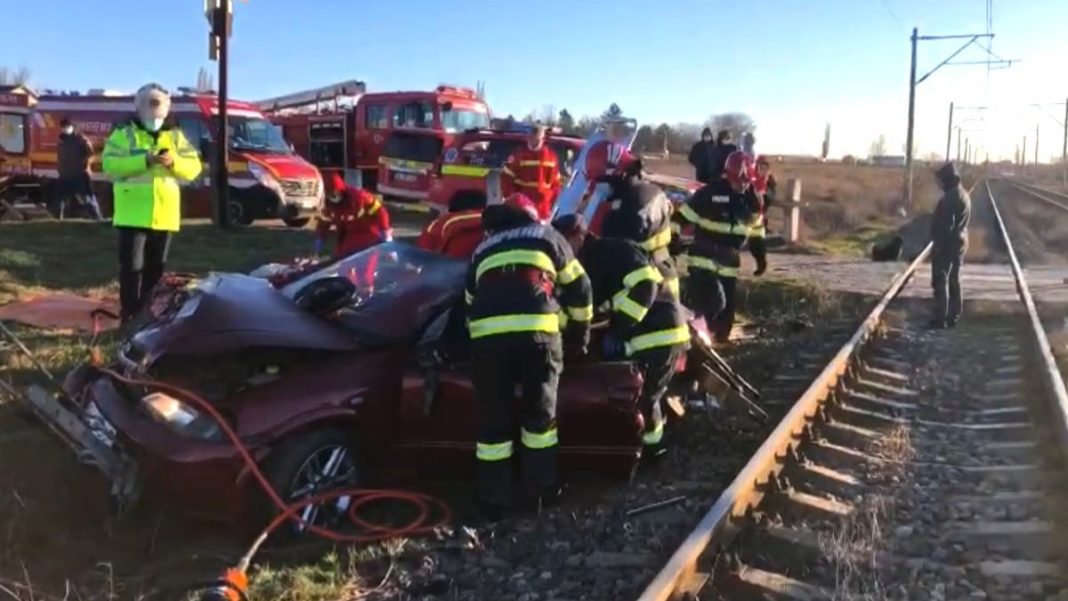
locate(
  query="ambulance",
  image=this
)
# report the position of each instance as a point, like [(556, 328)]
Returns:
[(267, 179)]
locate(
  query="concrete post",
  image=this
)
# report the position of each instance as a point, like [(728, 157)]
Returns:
[(793, 211)]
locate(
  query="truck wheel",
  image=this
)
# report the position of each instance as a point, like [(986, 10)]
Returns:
[(303, 466), (297, 222)]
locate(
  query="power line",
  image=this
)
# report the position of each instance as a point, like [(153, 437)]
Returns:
[(890, 11)]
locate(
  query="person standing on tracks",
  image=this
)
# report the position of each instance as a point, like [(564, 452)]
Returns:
[(458, 232), (146, 157), (519, 332), (949, 241), (646, 321), (701, 157), (533, 171), (720, 214), (358, 217), (74, 188)]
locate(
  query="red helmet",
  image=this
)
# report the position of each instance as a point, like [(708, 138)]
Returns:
[(739, 169), (606, 159), (523, 203)]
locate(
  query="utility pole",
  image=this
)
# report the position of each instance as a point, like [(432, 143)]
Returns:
[(967, 149), (1023, 155), (220, 16), (1036, 147), (1064, 149), (959, 140), (913, 82), (949, 134)]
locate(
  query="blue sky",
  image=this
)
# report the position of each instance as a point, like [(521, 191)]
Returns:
[(794, 65)]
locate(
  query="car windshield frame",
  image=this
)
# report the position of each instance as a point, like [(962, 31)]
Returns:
[(406, 287), (452, 123), (273, 141)]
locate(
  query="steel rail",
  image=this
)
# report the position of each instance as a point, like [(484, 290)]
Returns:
[(747, 489), (1053, 378), (1039, 193)]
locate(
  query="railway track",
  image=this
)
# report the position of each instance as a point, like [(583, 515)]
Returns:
[(917, 465)]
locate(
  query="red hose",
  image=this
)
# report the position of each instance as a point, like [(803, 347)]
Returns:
[(424, 504)]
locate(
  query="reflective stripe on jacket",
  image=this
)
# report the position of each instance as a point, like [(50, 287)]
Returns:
[(148, 197), (522, 279)]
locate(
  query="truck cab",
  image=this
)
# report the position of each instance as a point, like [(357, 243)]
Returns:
[(15, 166), (385, 141), (469, 166)]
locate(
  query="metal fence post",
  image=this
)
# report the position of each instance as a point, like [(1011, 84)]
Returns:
[(793, 211)]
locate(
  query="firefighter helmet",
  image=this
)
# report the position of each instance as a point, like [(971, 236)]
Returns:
[(739, 169), (607, 159), (337, 185), (523, 203)]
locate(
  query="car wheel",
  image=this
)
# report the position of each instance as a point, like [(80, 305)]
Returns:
[(297, 222), (236, 213), (304, 466)]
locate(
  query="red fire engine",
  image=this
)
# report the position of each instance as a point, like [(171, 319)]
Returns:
[(475, 157), (267, 179), (384, 141)]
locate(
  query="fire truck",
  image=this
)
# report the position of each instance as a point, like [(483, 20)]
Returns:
[(385, 141), (267, 180), (469, 168)]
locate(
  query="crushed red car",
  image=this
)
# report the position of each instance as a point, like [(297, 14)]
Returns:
[(360, 363)]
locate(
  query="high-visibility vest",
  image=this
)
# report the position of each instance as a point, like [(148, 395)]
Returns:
[(148, 197)]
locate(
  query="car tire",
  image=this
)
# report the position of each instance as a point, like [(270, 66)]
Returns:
[(287, 467), (296, 222), (236, 213)]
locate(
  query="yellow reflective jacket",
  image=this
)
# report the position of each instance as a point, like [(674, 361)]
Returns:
[(144, 197)]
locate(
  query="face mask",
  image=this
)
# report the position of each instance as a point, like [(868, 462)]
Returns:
[(68, 130), (152, 123)]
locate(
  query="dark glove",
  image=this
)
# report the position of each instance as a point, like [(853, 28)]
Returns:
[(759, 249), (612, 347)]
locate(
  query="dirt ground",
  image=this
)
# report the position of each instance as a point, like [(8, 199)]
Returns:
[(846, 207)]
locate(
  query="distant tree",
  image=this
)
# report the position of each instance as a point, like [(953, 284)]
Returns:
[(613, 112), (878, 147), (566, 122), (548, 115), (736, 123), (205, 81), (15, 77), (663, 136), (587, 125), (826, 142)]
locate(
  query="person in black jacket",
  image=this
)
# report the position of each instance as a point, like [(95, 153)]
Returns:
[(949, 239), (701, 157), (646, 322), (641, 212), (515, 320), (724, 148), (721, 214)]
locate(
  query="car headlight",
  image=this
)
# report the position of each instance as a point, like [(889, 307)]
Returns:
[(181, 418)]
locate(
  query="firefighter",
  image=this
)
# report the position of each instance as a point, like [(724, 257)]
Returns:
[(456, 233), (514, 320), (642, 209), (533, 171), (358, 217), (646, 321), (766, 187), (146, 157), (721, 214)]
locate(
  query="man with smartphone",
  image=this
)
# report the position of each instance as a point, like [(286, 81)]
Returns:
[(146, 156)]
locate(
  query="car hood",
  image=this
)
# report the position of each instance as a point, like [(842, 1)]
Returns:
[(283, 166), (233, 311)]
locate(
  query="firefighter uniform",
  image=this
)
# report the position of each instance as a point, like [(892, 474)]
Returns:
[(359, 218), (641, 212), (454, 234), (644, 314), (535, 173), (514, 319), (721, 218)]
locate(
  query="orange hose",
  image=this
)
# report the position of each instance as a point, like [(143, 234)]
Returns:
[(424, 504)]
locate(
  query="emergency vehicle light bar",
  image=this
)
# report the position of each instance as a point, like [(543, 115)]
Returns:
[(457, 91), (313, 97)]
